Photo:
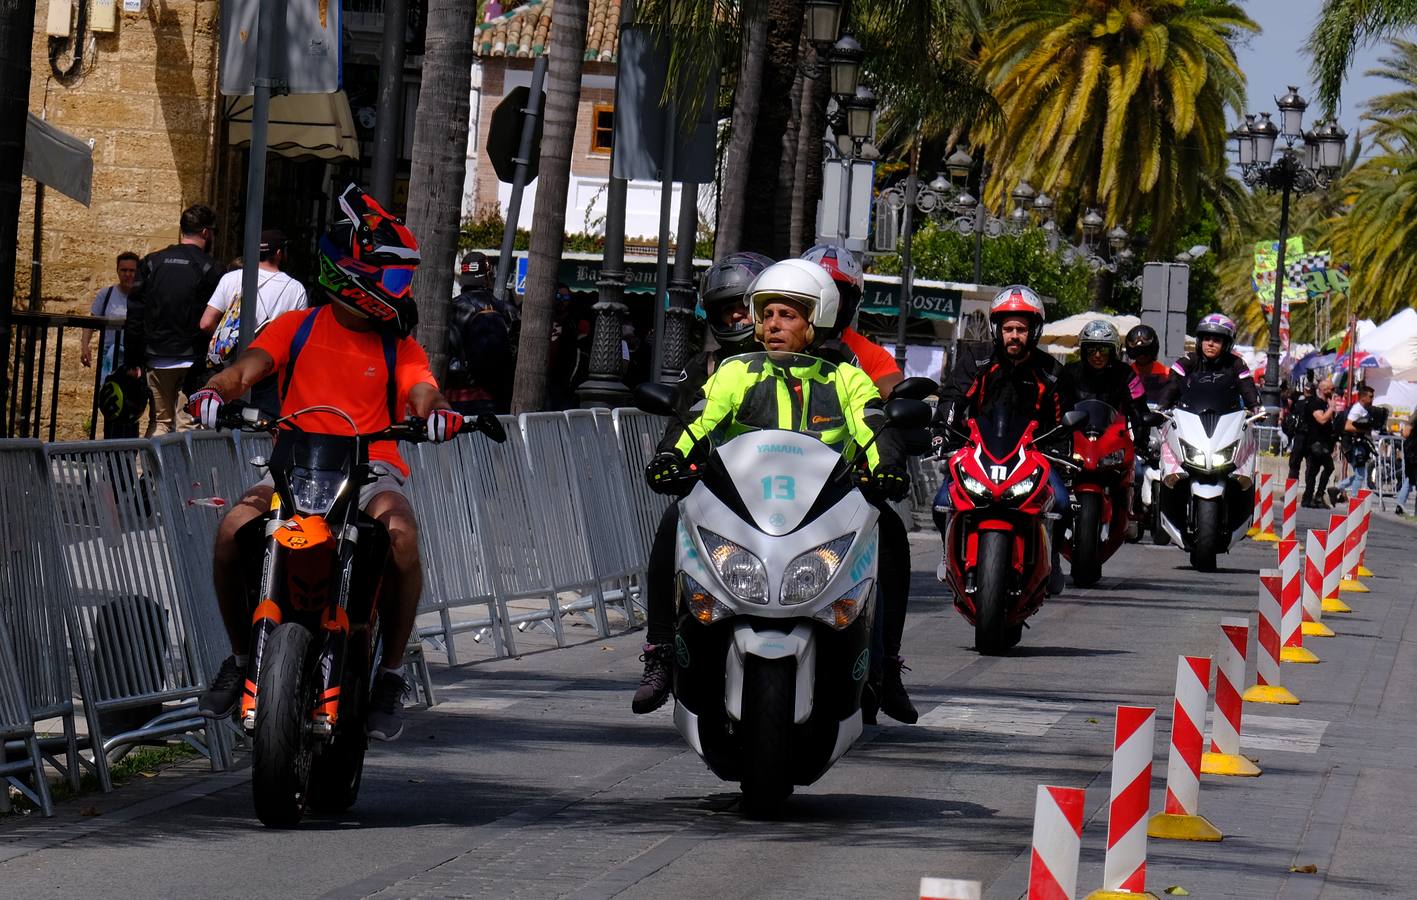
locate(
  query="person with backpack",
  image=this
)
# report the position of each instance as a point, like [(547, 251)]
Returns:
[(481, 357), (1320, 436), (112, 303)]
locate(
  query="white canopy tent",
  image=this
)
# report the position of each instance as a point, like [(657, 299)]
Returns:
[(1395, 341), (1064, 332)]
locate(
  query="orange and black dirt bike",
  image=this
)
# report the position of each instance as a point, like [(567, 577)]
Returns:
[(314, 613)]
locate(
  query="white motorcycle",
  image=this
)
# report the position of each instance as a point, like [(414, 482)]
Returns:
[(1208, 456), (775, 588)]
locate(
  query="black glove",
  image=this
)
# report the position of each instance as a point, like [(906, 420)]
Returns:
[(669, 473), (890, 482)]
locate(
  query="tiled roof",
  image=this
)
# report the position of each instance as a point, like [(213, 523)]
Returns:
[(525, 32)]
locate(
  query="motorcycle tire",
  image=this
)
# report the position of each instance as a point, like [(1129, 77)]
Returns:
[(992, 633), (769, 689), (1087, 541), (1159, 537), (337, 771), (1207, 534), (281, 748)]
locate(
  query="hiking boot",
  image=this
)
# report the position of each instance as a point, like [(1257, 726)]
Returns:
[(654, 684), (385, 719), (895, 702), (221, 696)]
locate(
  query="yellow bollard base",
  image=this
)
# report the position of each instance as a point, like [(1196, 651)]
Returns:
[(1297, 655), (1170, 827), (1353, 586), (1266, 536), (1120, 895), (1252, 531), (1334, 605), (1364, 572), (1270, 693), (1316, 629), (1228, 764)]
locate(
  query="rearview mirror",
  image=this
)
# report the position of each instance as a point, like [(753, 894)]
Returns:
[(916, 388), (1073, 418), (491, 426), (906, 413), (657, 399), (1156, 419)]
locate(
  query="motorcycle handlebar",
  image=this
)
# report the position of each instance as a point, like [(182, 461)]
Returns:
[(239, 416)]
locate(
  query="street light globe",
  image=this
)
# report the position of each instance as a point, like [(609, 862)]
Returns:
[(1117, 238), (1311, 146), (1244, 143), (1332, 146), (844, 64), (1291, 112), (1266, 133), (1023, 197), (858, 113), (1043, 205), (940, 185), (823, 20), (1092, 223), (959, 164)]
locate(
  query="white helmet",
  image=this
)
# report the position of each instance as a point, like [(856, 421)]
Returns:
[(801, 282)]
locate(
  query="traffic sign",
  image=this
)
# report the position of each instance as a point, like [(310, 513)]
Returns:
[(504, 135), (521, 275)]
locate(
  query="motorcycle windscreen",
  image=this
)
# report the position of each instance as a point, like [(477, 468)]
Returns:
[(779, 475), (1209, 398), (1001, 428), (1100, 417)]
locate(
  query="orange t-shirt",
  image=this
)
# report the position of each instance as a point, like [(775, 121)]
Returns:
[(871, 357), (344, 369)]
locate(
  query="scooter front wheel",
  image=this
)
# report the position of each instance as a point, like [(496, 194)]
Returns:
[(769, 689), (992, 633), (1207, 541)]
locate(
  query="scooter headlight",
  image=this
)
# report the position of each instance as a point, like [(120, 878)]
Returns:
[(841, 613), (1223, 459), (807, 575), (1194, 456), (976, 487), (1022, 488), (701, 604), (743, 573)]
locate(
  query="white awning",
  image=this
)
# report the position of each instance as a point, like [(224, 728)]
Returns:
[(302, 126)]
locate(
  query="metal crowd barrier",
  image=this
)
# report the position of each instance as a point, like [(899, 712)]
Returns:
[(17, 728), (1388, 468), (638, 435)]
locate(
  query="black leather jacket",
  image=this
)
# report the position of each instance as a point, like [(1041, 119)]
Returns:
[(166, 304)]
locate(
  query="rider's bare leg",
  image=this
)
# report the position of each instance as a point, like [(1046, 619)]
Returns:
[(398, 602), (228, 575)]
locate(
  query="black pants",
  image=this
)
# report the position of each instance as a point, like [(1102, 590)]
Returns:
[(1320, 466), (893, 573), (1297, 453)]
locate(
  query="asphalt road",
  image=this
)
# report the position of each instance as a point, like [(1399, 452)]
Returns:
[(532, 778)]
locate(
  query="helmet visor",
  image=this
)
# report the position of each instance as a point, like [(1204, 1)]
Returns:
[(396, 281)]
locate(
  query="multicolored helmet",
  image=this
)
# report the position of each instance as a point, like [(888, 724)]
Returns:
[(1220, 325), (367, 261), (1017, 300), (850, 279)]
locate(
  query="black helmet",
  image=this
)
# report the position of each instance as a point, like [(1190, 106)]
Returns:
[(122, 398), (726, 282), (367, 260), (1142, 343)]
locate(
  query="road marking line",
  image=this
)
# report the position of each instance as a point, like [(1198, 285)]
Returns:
[(993, 715), (1281, 733)]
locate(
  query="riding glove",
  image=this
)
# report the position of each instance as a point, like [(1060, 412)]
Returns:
[(205, 406), (668, 473), (891, 482), (443, 425)]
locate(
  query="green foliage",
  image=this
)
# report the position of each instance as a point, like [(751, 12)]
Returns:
[(486, 232)]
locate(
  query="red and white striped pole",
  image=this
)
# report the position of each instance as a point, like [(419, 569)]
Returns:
[(1289, 514), (1291, 608), (1181, 820), (1311, 600), (1224, 757), (1367, 498), (1333, 564), (1057, 841), (1133, 743), (949, 889), (1348, 571), (1267, 688), (1266, 501), (1254, 528)]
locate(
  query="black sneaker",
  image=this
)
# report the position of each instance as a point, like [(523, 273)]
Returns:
[(221, 696), (1397, 510), (385, 719), (654, 684), (895, 702)]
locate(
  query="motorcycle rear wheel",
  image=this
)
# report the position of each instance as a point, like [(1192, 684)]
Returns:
[(769, 688), (1087, 538), (1207, 540), (282, 746), (992, 633)]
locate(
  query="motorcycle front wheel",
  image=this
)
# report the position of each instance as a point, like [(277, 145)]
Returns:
[(1087, 538), (282, 745), (1207, 534), (992, 633), (337, 771), (1159, 537), (769, 688)]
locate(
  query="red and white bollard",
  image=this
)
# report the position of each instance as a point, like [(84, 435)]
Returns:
[(1265, 499), (1351, 538), (1333, 564), (1367, 497), (1057, 841), (1181, 820), (1291, 608), (1133, 743), (1311, 599), (949, 889), (1267, 687), (1289, 512), (1224, 757)]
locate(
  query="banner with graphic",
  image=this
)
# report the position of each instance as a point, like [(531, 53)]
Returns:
[(1266, 260)]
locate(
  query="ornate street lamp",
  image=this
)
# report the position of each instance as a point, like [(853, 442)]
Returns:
[(823, 21), (859, 110), (844, 66)]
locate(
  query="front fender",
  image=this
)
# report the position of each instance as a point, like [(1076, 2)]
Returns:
[(1207, 490), (771, 644)]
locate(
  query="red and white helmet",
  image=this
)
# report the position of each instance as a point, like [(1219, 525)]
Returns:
[(850, 279), (1017, 300)]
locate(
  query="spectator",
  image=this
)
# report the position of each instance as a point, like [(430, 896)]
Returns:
[(569, 355), (1409, 466), (480, 343), (111, 302), (163, 339), (1296, 424), (1358, 428), (1318, 463)]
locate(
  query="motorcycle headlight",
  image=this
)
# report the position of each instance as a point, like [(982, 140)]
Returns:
[(1194, 456), (808, 574), (703, 605), (1022, 488), (1222, 459), (841, 613), (1114, 458), (313, 492), (742, 572), (976, 487)]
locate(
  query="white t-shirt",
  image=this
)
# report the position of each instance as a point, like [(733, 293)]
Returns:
[(1358, 413), (113, 303), (276, 293)]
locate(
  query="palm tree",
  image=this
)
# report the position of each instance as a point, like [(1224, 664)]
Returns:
[(1117, 104), (563, 94), (762, 218), (747, 93), (437, 166), (1343, 28)]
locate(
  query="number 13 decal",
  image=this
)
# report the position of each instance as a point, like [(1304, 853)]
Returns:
[(781, 487)]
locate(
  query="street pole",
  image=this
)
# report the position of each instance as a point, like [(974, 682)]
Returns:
[(263, 86), (530, 114), (907, 268), (37, 249), (679, 320), (1271, 397), (843, 215), (661, 269), (388, 124), (979, 217)]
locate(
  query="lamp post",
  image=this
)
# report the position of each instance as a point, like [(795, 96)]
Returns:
[(1298, 170)]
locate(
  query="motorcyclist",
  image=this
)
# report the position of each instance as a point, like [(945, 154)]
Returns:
[(1101, 375), (1143, 348), (846, 344), (481, 341), (789, 302), (1017, 374), (1213, 361), (367, 260), (723, 292)]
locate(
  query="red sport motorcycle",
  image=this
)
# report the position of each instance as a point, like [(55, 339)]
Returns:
[(998, 551), (1101, 490)]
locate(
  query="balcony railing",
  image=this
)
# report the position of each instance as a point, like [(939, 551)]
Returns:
[(47, 385)]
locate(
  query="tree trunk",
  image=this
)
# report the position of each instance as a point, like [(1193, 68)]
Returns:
[(16, 34), (787, 174), (733, 187), (563, 94), (438, 166), (807, 185), (776, 109)]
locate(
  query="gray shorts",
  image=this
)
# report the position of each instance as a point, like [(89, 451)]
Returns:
[(386, 478)]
